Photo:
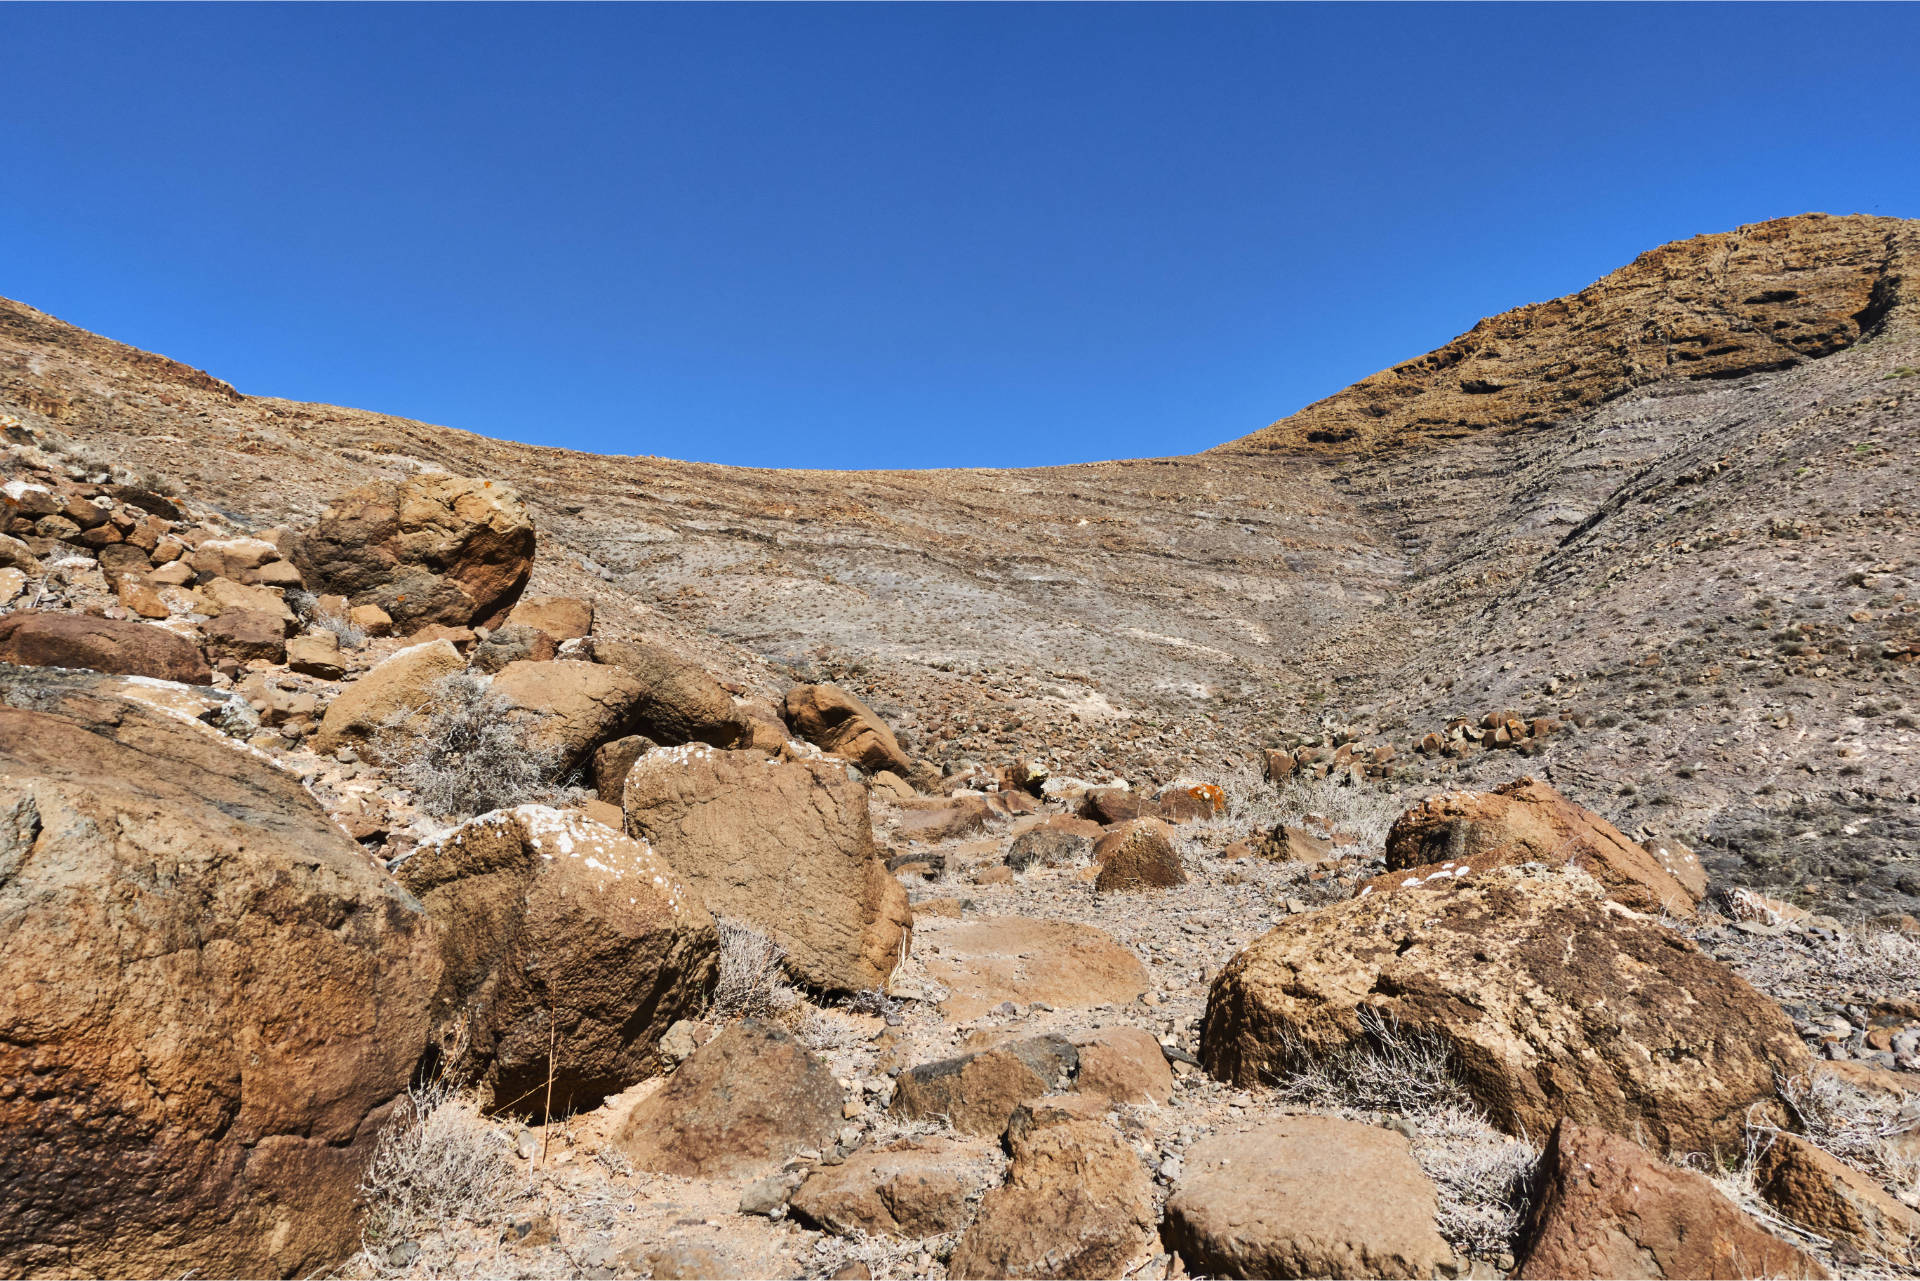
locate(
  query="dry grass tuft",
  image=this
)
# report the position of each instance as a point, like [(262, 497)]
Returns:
[(753, 980), (467, 758), (1861, 1127), (440, 1163)]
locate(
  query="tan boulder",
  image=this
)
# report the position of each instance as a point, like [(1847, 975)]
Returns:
[(740, 1104), (1527, 821), (838, 722), (397, 687), (1076, 1202), (613, 761), (316, 654), (232, 558), (371, 619), (1608, 1209), (785, 846), (429, 549), (945, 818), (569, 950), (1817, 1191), (121, 648), (1123, 1063), (1306, 1196), (13, 584), (911, 1188), (570, 708), (15, 554), (1064, 964), (564, 618), (1138, 855), (680, 702), (245, 634), (214, 999), (512, 643), (976, 1093), (1552, 1000), (223, 594)]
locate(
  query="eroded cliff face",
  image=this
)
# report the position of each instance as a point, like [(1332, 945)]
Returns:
[(1759, 299)]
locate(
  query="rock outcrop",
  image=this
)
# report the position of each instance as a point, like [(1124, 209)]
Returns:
[(383, 699), (214, 999), (1306, 1196), (121, 648), (1526, 821), (1606, 1208), (836, 721), (441, 549), (740, 1104), (679, 702), (567, 945), (1551, 1001), (786, 847), (1076, 1203), (568, 708)]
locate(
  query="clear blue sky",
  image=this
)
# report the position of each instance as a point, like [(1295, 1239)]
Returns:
[(895, 235)]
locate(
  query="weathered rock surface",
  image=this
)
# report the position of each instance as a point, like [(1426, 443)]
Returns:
[(976, 1093), (1527, 821), (558, 936), (1608, 1209), (1051, 845), (1818, 1191), (1138, 855), (1066, 965), (213, 1002), (563, 618), (430, 549), (784, 846), (1552, 1000), (1076, 1203), (613, 761), (679, 702), (33, 639), (512, 643), (910, 1188), (246, 634), (741, 1103), (1306, 1196), (570, 708), (1289, 844), (398, 687), (836, 721), (1123, 1063)]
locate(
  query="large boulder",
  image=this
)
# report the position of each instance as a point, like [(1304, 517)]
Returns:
[(679, 702), (976, 1093), (1550, 999), (913, 1188), (786, 847), (560, 938), (836, 721), (1526, 821), (740, 1104), (430, 549), (213, 1003), (397, 688), (1306, 1196), (570, 708), (120, 648), (1076, 1204), (1138, 855), (1607, 1208), (1818, 1191)]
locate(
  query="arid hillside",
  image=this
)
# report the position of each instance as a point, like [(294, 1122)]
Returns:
[(1673, 511)]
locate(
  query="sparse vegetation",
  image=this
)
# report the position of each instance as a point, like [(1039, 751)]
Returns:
[(753, 981), (439, 1163), (464, 757)]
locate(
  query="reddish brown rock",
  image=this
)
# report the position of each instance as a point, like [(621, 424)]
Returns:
[(1527, 821), (1138, 856), (784, 846), (563, 618), (1608, 1209), (1817, 1191), (1123, 1063), (244, 635), (1066, 965), (679, 701), (918, 1187), (838, 722), (33, 639), (430, 549), (977, 1093), (214, 999), (740, 1104), (400, 686), (1306, 1196), (569, 951), (1552, 1001), (1076, 1203), (570, 708)]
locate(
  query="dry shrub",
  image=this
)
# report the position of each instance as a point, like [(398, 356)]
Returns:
[(1365, 811), (439, 1164), (1864, 1128), (465, 757), (1482, 1176), (753, 981)]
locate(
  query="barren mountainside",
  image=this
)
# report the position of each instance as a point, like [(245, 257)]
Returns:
[(1673, 511)]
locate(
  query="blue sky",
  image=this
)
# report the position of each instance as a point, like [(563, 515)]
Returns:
[(927, 235)]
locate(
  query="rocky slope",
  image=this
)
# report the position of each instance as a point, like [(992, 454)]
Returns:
[(998, 956)]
